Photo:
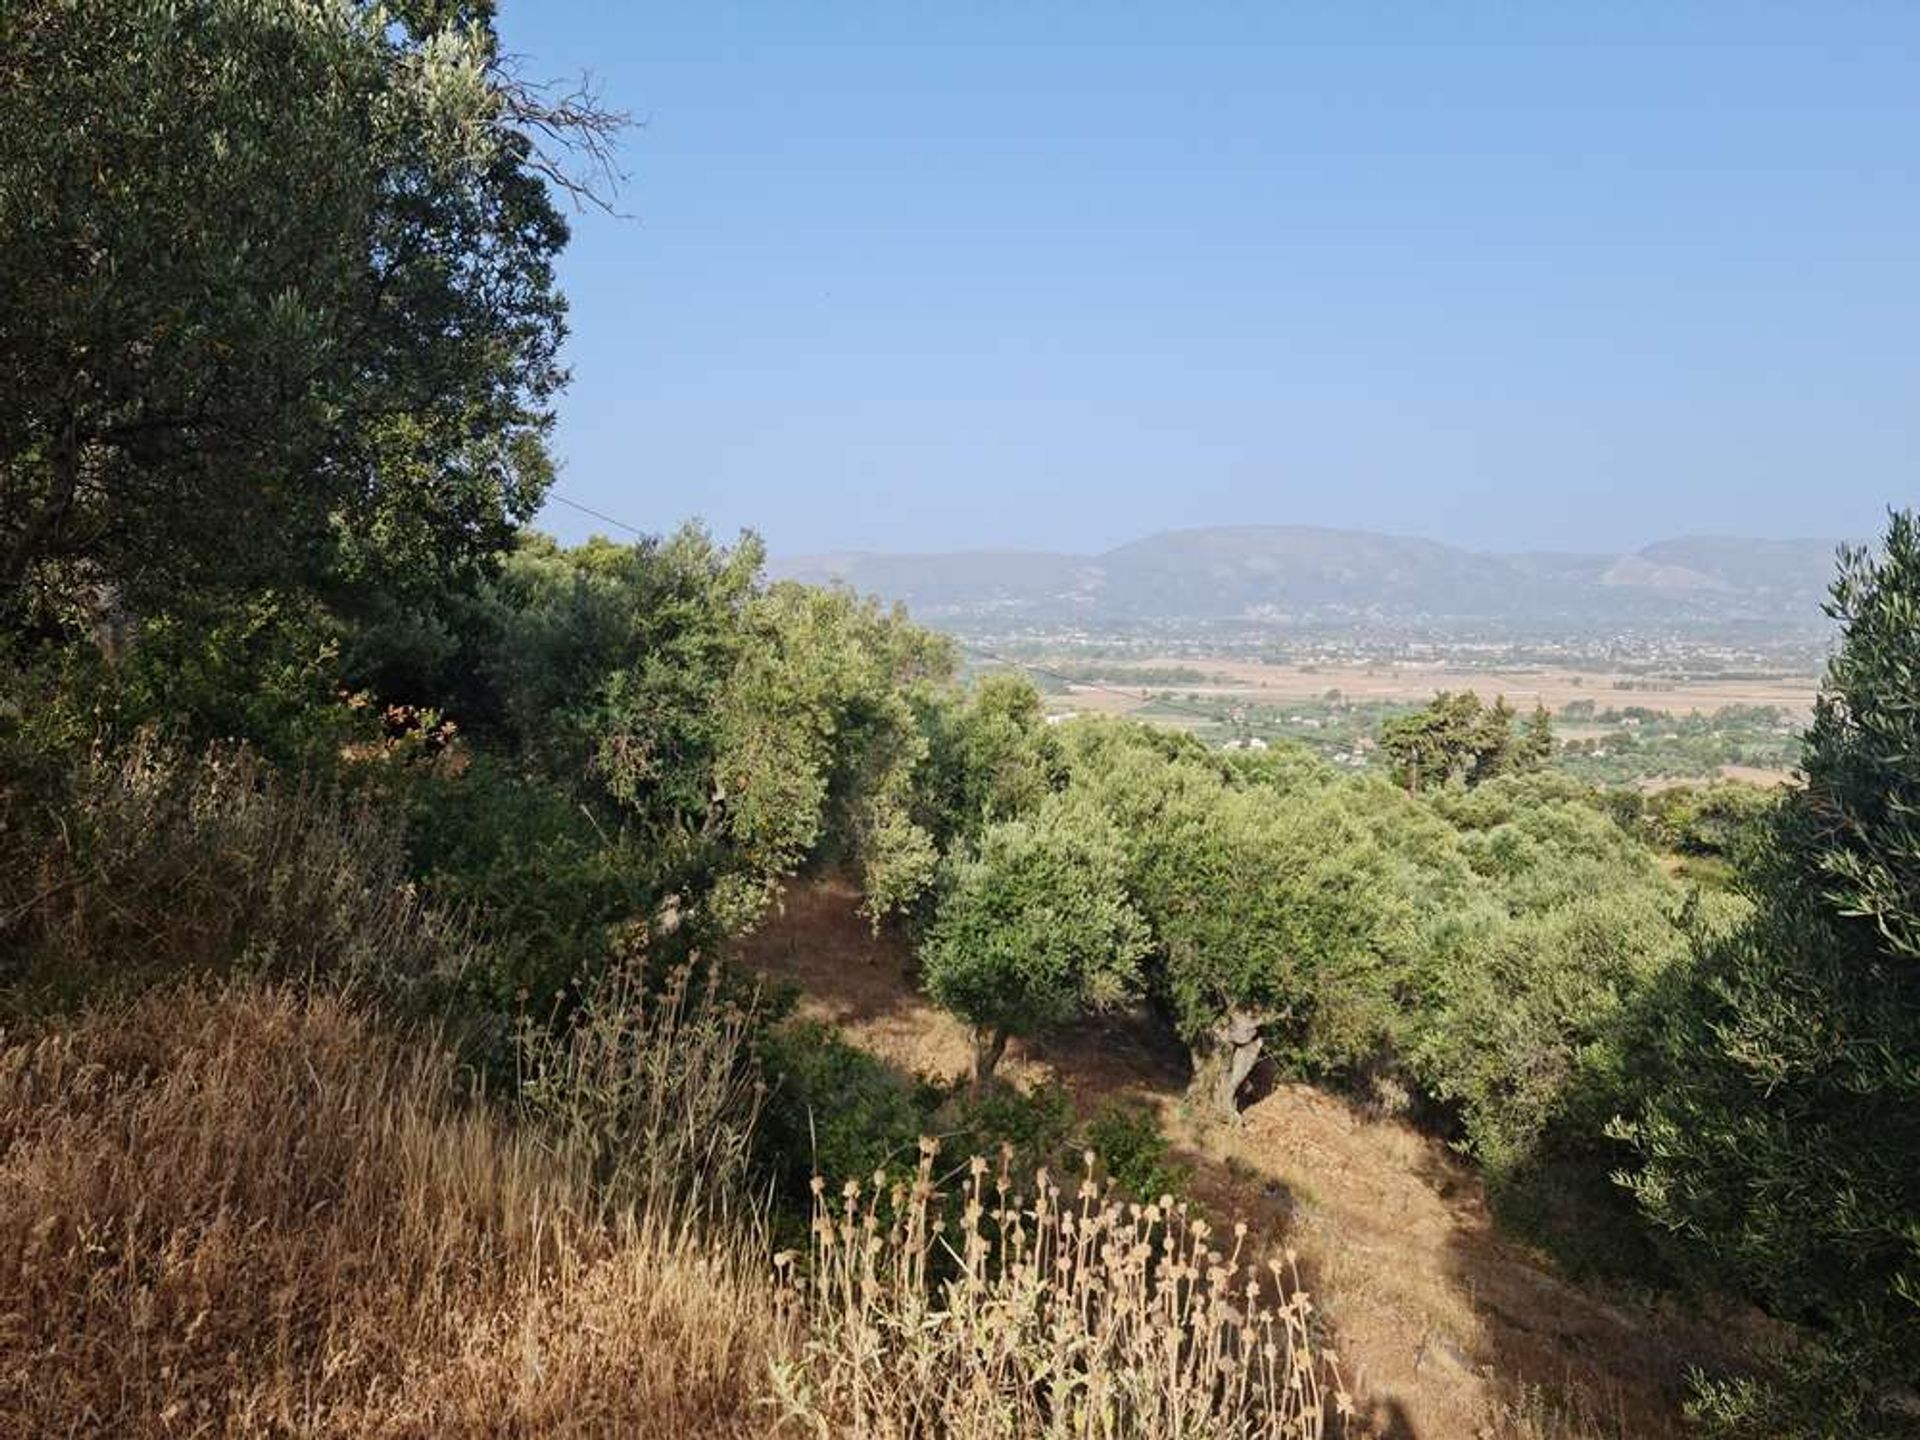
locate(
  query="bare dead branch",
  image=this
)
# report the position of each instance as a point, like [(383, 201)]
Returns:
[(573, 138)]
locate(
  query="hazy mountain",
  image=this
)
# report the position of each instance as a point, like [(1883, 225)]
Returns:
[(1303, 573), (1787, 568)]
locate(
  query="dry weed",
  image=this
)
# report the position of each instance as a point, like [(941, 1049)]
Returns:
[(654, 1092), (152, 862), (248, 1211), (1050, 1315)]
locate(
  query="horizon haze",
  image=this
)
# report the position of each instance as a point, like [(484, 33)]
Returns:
[(1268, 575)]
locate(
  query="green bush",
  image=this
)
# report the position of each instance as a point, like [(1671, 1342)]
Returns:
[(1720, 820), (263, 672), (548, 882), (833, 1110), (1134, 1153), (1036, 1127)]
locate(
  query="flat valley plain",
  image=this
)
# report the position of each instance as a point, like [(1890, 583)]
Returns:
[(1416, 682), (1631, 725)]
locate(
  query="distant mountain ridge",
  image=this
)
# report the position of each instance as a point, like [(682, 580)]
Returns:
[(1304, 574)]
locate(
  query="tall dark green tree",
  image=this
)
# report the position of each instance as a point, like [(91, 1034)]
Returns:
[(1782, 1136), (277, 303), (1458, 738)]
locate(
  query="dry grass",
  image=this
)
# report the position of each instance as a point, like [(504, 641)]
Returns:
[(151, 862), (243, 1209), (653, 1093), (1047, 1315), (248, 1211)]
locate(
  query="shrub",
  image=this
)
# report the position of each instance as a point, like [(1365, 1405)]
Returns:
[(832, 1110), (991, 757), (261, 671), (1717, 820), (1134, 1153), (155, 861), (1525, 1028), (551, 882), (1032, 1128)]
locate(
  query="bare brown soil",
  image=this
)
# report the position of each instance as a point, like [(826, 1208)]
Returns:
[(1445, 1328)]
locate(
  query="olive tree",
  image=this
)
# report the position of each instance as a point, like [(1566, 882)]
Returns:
[(1780, 1134), (1273, 908), (739, 730), (1033, 930), (991, 756)]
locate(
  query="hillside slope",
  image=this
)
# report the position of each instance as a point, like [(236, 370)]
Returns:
[(1299, 572), (1445, 1328)]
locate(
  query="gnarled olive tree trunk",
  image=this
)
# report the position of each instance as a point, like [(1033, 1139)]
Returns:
[(989, 1044), (1223, 1058)]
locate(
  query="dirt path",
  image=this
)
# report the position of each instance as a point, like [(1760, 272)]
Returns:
[(1447, 1330)]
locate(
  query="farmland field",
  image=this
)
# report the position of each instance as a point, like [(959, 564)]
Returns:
[(1620, 726), (1387, 682)]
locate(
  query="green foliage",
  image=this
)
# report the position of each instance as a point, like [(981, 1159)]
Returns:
[(608, 662), (1457, 738), (1281, 767), (1032, 1127), (552, 885), (253, 344), (1720, 820), (264, 672), (1034, 928), (833, 1110), (1780, 1132), (1809, 1393), (735, 731), (1526, 1010), (990, 757), (1134, 1152), (1524, 1024), (821, 741), (1273, 908)]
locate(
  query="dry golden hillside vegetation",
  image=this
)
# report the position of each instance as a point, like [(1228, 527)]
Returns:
[(245, 1210), (248, 1211)]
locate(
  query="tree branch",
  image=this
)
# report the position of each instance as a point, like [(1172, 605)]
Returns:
[(573, 140)]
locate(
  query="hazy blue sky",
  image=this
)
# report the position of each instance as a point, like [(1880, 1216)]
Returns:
[(1564, 275)]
